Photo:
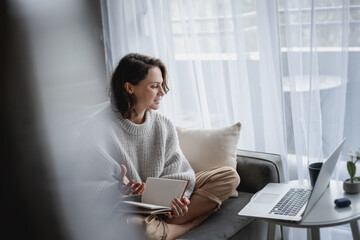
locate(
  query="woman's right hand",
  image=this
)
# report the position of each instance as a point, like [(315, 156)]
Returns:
[(130, 188)]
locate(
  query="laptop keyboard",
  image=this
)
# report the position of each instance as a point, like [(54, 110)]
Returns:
[(292, 202)]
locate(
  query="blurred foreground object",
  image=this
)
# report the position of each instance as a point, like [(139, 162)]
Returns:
[(52, 67)]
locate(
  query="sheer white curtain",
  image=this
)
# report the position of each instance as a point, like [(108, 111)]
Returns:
[(315, 43), (221, 62), (315, 56)]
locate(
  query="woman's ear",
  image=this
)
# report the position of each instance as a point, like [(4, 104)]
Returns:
[(129, 88)]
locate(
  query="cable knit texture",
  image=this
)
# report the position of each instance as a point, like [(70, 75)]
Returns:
[(147, 150)]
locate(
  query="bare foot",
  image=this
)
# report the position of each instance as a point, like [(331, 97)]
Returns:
[(176, 230)]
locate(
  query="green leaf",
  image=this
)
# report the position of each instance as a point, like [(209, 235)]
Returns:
[(351, 169), (357, 178)]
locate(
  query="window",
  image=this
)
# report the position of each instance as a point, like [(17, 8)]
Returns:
[(212, 25), (328, 16)]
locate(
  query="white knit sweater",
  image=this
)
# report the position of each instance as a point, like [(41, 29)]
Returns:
[(150, 149)]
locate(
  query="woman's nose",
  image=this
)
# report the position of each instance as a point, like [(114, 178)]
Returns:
[(161, 92)]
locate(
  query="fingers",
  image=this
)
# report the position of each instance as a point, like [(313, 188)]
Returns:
[(183, 206), (132, 188), (138, 188), (175, 211), (128, 188), (185, 200), (130, 183), (179, 208), (123, 172)]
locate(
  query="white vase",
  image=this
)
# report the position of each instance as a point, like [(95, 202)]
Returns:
[(351, 187)]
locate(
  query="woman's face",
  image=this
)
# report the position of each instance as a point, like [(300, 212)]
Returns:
[(148, 92)]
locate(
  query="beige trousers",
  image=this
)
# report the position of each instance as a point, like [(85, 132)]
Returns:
[(215, 184)]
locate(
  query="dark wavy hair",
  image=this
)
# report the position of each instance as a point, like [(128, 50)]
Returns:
[(132, 68)]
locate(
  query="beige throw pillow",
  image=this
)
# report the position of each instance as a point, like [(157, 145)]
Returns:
[(209, 148)]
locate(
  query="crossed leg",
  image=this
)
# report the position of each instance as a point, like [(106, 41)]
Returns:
[(212, 188), (199, 210)]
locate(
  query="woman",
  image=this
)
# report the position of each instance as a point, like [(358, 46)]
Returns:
[(134, 142)]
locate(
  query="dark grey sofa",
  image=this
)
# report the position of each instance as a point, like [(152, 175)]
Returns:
[(255, 170)]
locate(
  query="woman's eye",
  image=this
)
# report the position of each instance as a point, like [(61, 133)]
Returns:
[(155, 86)]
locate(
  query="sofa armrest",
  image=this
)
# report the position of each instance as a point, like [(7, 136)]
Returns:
[(256, 169)]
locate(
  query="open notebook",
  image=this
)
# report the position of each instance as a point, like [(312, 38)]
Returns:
[(157, 196)]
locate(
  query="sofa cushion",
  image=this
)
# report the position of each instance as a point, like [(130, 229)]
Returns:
[(225, 223), (209, 148)]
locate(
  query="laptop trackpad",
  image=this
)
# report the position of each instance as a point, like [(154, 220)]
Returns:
[(266, 198)]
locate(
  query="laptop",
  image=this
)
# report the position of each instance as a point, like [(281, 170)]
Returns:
[(289, 202)]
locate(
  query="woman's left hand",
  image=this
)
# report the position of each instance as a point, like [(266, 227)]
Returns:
[(130, 188), (179, 207)]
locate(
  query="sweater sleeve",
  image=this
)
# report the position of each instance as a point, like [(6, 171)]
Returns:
[(97, 177), (176, 165)]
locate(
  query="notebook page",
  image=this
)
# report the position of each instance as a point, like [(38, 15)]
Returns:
[(161, 191)]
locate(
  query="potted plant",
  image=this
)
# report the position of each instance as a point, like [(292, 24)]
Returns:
[(352, 184)]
